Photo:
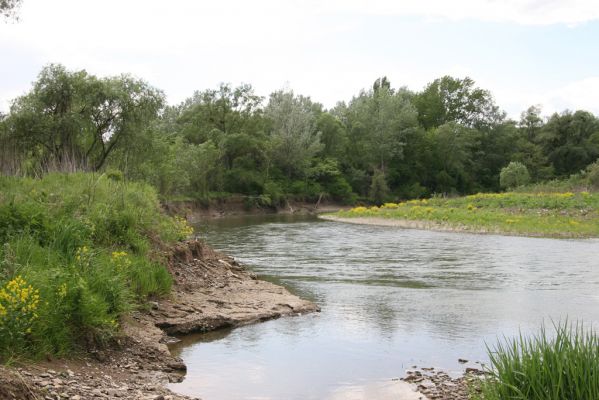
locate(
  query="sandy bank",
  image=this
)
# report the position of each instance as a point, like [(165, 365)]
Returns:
[(441, 227), (407, 224)]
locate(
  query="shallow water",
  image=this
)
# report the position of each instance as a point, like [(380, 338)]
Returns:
[(390, 298)]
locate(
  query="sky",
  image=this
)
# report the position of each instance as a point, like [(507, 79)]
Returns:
[(526, 52)]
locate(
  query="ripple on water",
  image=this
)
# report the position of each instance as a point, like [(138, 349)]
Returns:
[(390, 298)]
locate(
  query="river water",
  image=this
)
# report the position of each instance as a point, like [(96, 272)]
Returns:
[(391, 298)]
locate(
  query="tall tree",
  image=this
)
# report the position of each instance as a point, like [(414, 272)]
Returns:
[(380, 119), (450, 99), (75, 120), (570, 141), (225, 110), (294, 137)]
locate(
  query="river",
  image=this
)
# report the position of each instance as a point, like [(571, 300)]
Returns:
[(391, 298)]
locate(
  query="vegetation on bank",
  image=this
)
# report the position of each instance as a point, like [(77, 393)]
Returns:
[(385, 144), (558, 365), (563, 214), (77, 251)]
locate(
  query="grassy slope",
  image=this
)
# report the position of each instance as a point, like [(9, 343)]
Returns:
[(538, 214), (76, 253)]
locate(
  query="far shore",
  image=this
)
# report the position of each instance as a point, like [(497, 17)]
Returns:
[(439, 227)]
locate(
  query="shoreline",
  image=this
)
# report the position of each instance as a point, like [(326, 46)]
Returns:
[(210, 291), (195, 211), (438, 227)]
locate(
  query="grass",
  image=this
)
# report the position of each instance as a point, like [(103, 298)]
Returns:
[(553, 214), (77, 252), (561, 366)]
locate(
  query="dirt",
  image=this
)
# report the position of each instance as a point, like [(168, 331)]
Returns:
[(211, 291), (237, 206)]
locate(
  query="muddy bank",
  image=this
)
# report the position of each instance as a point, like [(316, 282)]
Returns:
[(210, 291), (195, 211)]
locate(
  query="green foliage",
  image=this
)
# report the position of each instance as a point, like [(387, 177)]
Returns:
[(379, 191), (570, 141), (72, 120), (81, 242), (557, 214), (449, 99), (593, 175), (548, 366), (293, 134), (514, 175), (449, 138)]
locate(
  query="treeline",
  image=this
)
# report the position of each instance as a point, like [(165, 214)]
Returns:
[(386, 143)]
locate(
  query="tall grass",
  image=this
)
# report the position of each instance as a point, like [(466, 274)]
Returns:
[(76, 253), (563, 365)]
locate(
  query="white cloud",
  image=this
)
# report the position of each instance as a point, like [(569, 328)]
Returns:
[(577, 95), (582, 94), (184, 45)]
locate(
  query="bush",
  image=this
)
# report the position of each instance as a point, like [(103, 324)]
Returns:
[(514, 175), (593, 175), (75, 250), (341, 191), (379, 191), (564, 365)]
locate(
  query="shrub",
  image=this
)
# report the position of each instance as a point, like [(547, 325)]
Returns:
[(593, 175), (564, 365), (76, 255), (340, 190), (514, 175), (379, 191)]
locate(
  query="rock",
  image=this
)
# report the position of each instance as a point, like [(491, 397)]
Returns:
[(462, 361)]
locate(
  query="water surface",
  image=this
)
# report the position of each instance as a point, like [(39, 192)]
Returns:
[(390, 298)]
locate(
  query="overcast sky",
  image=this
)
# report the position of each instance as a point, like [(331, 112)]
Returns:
[(524, 51)]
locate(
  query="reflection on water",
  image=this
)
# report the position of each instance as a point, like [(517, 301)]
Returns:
[(390, 298)]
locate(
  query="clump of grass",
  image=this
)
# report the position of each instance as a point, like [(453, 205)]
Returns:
[(76, 253), (560, 366)]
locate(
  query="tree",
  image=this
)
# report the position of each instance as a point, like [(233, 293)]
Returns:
[(8, 8), (570, 141), (531, 122), (227, 110), (379, 191), (453, 156), (449, 99), (593, 175), (295, 140), (514, 175), (379, 120), (73, 120), (333, 135)]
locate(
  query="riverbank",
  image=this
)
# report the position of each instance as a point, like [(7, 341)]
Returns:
[(196, 211), (558, 215), (210, 291)]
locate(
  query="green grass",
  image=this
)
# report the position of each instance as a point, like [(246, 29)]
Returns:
[(554, 214), (560, 366), (77, 251)]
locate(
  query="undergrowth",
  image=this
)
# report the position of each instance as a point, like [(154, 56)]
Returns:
[(77, 251)]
